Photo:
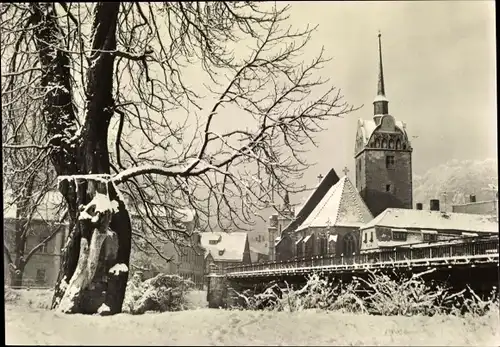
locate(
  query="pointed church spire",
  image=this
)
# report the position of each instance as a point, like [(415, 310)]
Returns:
[(380, 104), (381, 86)]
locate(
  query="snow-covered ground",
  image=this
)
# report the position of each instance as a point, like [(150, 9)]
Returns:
[(202, 326)]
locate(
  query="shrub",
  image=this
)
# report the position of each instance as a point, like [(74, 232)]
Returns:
[(160, 293), (379, 294)]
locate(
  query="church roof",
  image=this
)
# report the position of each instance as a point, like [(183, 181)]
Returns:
[(312, 201), (341, 206), (434, 220), (368, 127)]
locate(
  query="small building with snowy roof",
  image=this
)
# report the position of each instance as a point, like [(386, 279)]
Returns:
[(398, 227), (225, 249), (329, 225)]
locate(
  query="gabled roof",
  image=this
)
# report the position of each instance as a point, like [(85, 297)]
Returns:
[(305, 210), (434, 220), (341, 206), (229, 246), (50, 208)]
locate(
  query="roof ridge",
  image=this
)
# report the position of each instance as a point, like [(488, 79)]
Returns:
[(356, 199), (341, 181), (341, 200)]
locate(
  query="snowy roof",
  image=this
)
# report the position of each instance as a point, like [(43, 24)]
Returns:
[(433, 220), (318, 193), (368, 126), (341, 206), (232, 245), (51, 207)]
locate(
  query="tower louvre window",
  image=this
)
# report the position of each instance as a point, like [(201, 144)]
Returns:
[(389, 162), (387, 187)]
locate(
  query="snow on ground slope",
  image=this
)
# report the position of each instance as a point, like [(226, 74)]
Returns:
[(26, 325)]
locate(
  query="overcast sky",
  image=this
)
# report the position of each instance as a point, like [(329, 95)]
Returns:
[(439, 66)]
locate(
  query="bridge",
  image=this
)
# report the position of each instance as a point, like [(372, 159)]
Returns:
[(467, 258)]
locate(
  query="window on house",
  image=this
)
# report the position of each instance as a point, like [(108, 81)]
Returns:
[(389, 162), (366, 238), (430, 237), (212, 242), (398, 236), (387, 187), (371, 236), (40, 277), (43, 249)]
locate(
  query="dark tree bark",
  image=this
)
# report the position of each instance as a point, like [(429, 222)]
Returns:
[(83, 154)]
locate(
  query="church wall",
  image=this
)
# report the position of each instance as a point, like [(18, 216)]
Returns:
[(376, 177), (342, 232), (339, 245)]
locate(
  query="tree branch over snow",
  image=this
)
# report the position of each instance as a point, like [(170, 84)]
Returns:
[(210, 107)]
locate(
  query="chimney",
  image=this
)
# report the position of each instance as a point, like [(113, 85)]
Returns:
[(420, 206), (472, 198), (434, 204)]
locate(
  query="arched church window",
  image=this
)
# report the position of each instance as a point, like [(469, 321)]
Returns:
[(404, 145), (384, 143), (398, 144), (349, 245), (377, 143), (391, 144)]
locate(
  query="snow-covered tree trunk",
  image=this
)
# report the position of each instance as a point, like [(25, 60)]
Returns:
[(81, 158), (97, 284)]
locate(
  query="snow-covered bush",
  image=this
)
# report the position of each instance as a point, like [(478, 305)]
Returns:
[(379, 294), (160, 293)]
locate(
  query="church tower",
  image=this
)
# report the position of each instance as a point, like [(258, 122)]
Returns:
[(383, 155)]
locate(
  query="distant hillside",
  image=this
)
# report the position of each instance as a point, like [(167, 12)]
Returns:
[(458, 179)]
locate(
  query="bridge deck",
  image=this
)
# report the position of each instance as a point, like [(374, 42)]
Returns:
[(463, 252)]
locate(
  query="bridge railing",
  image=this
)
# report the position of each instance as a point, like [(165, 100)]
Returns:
[(455, 248)]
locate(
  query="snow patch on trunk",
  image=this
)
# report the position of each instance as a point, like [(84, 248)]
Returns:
[(117, 268), (95, 249), (78, 280), (103, 204), (103, 309)]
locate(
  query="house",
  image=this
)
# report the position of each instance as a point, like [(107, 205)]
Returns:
[(332, 226), (43, 267), (225, 249), (489, 207), (186, 255), (398, 227)]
